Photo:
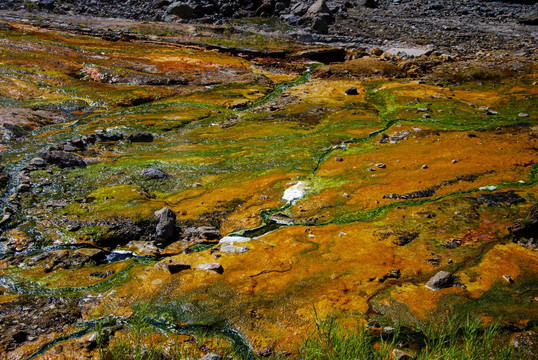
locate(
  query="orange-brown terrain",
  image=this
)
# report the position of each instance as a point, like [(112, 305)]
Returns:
[(285, 193)]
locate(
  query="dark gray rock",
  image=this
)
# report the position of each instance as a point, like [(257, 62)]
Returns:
[(62, 159), (352, 91), (174, 268), (141, 137), (181, 10), (443, 279), (155, 173), (202, 234), (166, 224), (47, 4)]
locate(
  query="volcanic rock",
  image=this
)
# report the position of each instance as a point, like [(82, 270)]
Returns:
[(141, 137), (155, 173), (212, 267), (62, 159), (443, 280), (166, 224)]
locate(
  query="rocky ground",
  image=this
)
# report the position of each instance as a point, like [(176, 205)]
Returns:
[(205, 164), (454, 27)]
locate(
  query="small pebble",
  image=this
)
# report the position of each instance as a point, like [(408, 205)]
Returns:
[(424, 166)]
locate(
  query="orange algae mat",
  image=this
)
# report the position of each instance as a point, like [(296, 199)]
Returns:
[(383, 197)]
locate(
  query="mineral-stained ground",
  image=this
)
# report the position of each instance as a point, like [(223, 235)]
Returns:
[(236, 183)]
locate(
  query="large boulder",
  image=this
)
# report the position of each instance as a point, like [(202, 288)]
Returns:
[(442, 280), (320, 17), (166, 224), (317, 9), (180, 9), (141, 137), (155, 173)]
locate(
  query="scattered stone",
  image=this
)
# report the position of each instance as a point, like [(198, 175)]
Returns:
[(339, 159), (381, 165), (56, 204), (405, 238), (421, 109), (143, 248), (202, 234), (452, 244), (38, 162), (166, 224), (212, 267), (155, 173), (424, 166), (281, 218), (396, 137), (63, 159), (141, 137), (443, 279), (491, 112), (174, 268), (352, 91), (370, 169), (68, 147), (522, 114), (508, 279)]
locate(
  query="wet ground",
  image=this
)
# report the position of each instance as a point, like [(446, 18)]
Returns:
[(288, 193)]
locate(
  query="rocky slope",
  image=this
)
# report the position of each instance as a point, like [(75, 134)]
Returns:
[(462, 26)]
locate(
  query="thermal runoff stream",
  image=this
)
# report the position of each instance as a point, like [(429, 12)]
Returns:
[(167, 193)]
